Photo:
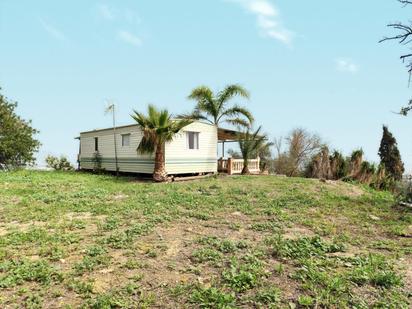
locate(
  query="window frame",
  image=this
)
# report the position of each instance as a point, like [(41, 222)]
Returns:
[(123, 136), (196, 139), (96, 143)]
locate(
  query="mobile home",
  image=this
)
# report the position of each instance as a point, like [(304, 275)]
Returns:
[(192, 151)]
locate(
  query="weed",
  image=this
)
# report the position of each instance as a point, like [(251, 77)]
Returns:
[(206, 255), (243, 276), (306, 301), (16, 272), (132, 264), (111, 223), (224, 246), (95, 257), (84, 288), (375, 270), (52, 252), (32, 301), (212, 298), (270, 296), (265, 226), (304, 247)]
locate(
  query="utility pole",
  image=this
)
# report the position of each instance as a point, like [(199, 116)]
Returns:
[(112, 109)]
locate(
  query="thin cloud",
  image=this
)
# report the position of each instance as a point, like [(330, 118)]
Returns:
[(52, 31), (106, 12), (346, 65), (129, 38), (267, 19)]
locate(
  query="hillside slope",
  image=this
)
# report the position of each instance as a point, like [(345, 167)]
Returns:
[(73, 239)]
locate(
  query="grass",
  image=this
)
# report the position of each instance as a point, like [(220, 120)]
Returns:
[(75, 240)]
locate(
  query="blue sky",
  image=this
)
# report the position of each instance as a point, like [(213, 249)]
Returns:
[(311, 64)]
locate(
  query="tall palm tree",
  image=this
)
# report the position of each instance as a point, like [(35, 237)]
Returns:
[(158, 128), (213, 107), (250, 144)]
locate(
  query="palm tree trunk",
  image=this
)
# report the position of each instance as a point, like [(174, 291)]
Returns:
[(245, 170), (159, 173)]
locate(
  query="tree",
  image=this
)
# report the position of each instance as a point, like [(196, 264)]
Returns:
[(250, 144), (366, 172), (338, 165), (319, 167), (214, 108), (265, 156), (17, 137), (234, 154), (355, 161), (404, 37), (158, 128), (390, 156), (59, 164), (301, 147)]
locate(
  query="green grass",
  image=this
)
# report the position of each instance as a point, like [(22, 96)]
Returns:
[(76, 240)]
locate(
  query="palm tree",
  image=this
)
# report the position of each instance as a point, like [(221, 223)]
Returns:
[(158, 128), (213, 107), (250, 144)]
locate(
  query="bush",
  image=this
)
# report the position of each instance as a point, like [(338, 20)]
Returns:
[(18, 142), (59, 164), (404, 191), (97, 162)]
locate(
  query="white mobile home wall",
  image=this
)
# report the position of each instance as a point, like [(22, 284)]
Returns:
[(178, 158), (182, 160), (128, 158)]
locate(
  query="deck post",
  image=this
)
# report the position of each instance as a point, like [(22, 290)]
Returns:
[(229, 166)]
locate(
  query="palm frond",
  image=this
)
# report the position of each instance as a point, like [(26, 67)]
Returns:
[(195, 115), (147, 144), (206, 104), (158, 127), (140, 118), (236, 111), (179, 124), (239, 122), (201, 93), (251, 143), (233, 90), (212, 107)]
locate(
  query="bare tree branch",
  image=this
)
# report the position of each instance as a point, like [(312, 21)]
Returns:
[(404, 37)]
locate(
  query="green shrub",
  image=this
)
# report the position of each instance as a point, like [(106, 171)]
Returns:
[(58, 164)]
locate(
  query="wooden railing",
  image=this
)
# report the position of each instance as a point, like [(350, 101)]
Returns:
[(235, 166)]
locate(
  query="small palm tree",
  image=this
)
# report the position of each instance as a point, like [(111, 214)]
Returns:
[(158, 128), (214, 108), (251, 144)]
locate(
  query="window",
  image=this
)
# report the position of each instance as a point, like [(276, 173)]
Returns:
[(192, 140), (96, 144), (125, 140)]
